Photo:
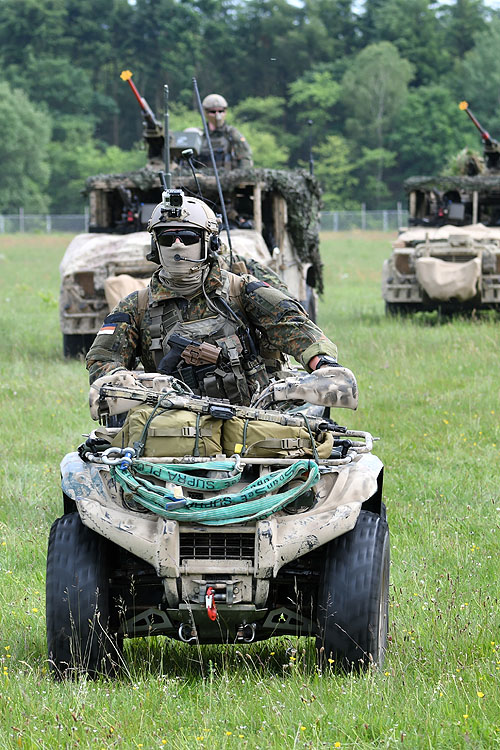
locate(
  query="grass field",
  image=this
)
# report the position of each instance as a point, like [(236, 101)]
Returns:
[(428, 389)]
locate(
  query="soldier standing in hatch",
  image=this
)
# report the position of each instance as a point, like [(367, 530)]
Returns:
[(250, 322), (231, 149)]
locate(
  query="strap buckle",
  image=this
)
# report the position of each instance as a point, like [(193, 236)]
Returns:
[(290, 444)]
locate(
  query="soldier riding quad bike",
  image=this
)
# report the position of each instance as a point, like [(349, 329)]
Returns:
[(273, 216), (449, 257), (213, 523)]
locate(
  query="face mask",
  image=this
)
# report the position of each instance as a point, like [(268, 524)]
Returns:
[(216, 117), (182, 264)]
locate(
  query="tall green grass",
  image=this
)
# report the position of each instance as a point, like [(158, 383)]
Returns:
[(429, 389)]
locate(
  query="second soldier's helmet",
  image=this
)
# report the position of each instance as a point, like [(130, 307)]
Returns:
[(214, 101), (193, 213)]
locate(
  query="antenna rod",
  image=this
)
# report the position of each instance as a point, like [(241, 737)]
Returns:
[(311, 158), (166, 145), (214, 166)]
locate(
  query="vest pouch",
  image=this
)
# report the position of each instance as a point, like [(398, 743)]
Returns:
[(262, 439), (172, 432)]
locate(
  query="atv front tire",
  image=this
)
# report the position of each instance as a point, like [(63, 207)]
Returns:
[(79, 638), (353, 597)]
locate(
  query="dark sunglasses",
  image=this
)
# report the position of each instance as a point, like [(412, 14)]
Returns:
[(216, 111), (186, 236)]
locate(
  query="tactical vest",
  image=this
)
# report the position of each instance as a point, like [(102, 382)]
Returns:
[(222, 146), (240, 370)]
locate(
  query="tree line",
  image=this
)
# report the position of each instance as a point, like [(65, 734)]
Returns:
[(372, 91)]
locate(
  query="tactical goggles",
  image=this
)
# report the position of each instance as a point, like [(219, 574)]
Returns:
[(216, 111), (186, 236)]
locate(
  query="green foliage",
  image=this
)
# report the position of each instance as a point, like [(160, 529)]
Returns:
[(76, 157), (478, 78), (428, 130), (23, 153), (181, 117), (334, 167), (462, 21), (374, 88), (457, 163), (265, 112), (266, 148), (372, 164), (313, 95), (293, 73), (412, 26)]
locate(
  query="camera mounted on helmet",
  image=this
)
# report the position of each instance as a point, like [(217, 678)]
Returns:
[(172, 200), (186, 218)]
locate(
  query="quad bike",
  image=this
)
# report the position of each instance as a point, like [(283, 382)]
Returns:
[(227, 539)]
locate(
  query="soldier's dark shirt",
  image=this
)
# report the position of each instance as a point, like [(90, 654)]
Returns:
[(280, 319)]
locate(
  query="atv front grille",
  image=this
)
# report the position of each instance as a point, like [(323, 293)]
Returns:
[(457, 257), (211, 546)]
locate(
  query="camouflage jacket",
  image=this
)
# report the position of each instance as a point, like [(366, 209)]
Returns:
[(280, 320), (241, 265), (231, 149)]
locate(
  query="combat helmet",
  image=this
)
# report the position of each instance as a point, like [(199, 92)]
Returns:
[(177, 210), (214, 100)]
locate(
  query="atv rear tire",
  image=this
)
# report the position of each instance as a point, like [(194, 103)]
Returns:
[(78, 604), (353, 597)]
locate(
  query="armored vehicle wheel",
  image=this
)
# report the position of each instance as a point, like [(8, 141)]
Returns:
[(310, 303), (354, 596), (79, 637), (75, 344), (401, 308)]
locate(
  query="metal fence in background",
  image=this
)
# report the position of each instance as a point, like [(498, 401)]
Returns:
[(330, 221), (386, 221), (46, 223)]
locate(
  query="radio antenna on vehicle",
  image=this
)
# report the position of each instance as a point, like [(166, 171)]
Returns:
[(311, 158), (166, 135), (214, 166)]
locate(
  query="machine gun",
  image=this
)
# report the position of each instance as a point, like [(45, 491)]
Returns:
[(153, 129), (490, 145), (330, 386)]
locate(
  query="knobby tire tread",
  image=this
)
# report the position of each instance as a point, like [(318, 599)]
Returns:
[(77, 601), (355, 577)]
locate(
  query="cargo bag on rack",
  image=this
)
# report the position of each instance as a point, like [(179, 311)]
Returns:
[(261, 439), (170, 432)]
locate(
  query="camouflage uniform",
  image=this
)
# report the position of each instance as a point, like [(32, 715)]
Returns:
[(243, 265), (274, 319), (231, 149)]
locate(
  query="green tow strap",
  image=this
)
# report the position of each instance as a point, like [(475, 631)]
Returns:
[(252, 503)]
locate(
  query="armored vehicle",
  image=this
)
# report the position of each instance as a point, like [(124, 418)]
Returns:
[(273, 219), (212, 523), (449, 256)]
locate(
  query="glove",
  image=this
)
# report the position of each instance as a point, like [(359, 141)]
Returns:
[(120, 378), (326, 361), (332, 385)]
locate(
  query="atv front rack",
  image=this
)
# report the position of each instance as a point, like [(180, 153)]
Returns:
[(116, 456)]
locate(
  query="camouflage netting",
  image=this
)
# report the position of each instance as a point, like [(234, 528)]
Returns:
[(481, 183), (300, 190)]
